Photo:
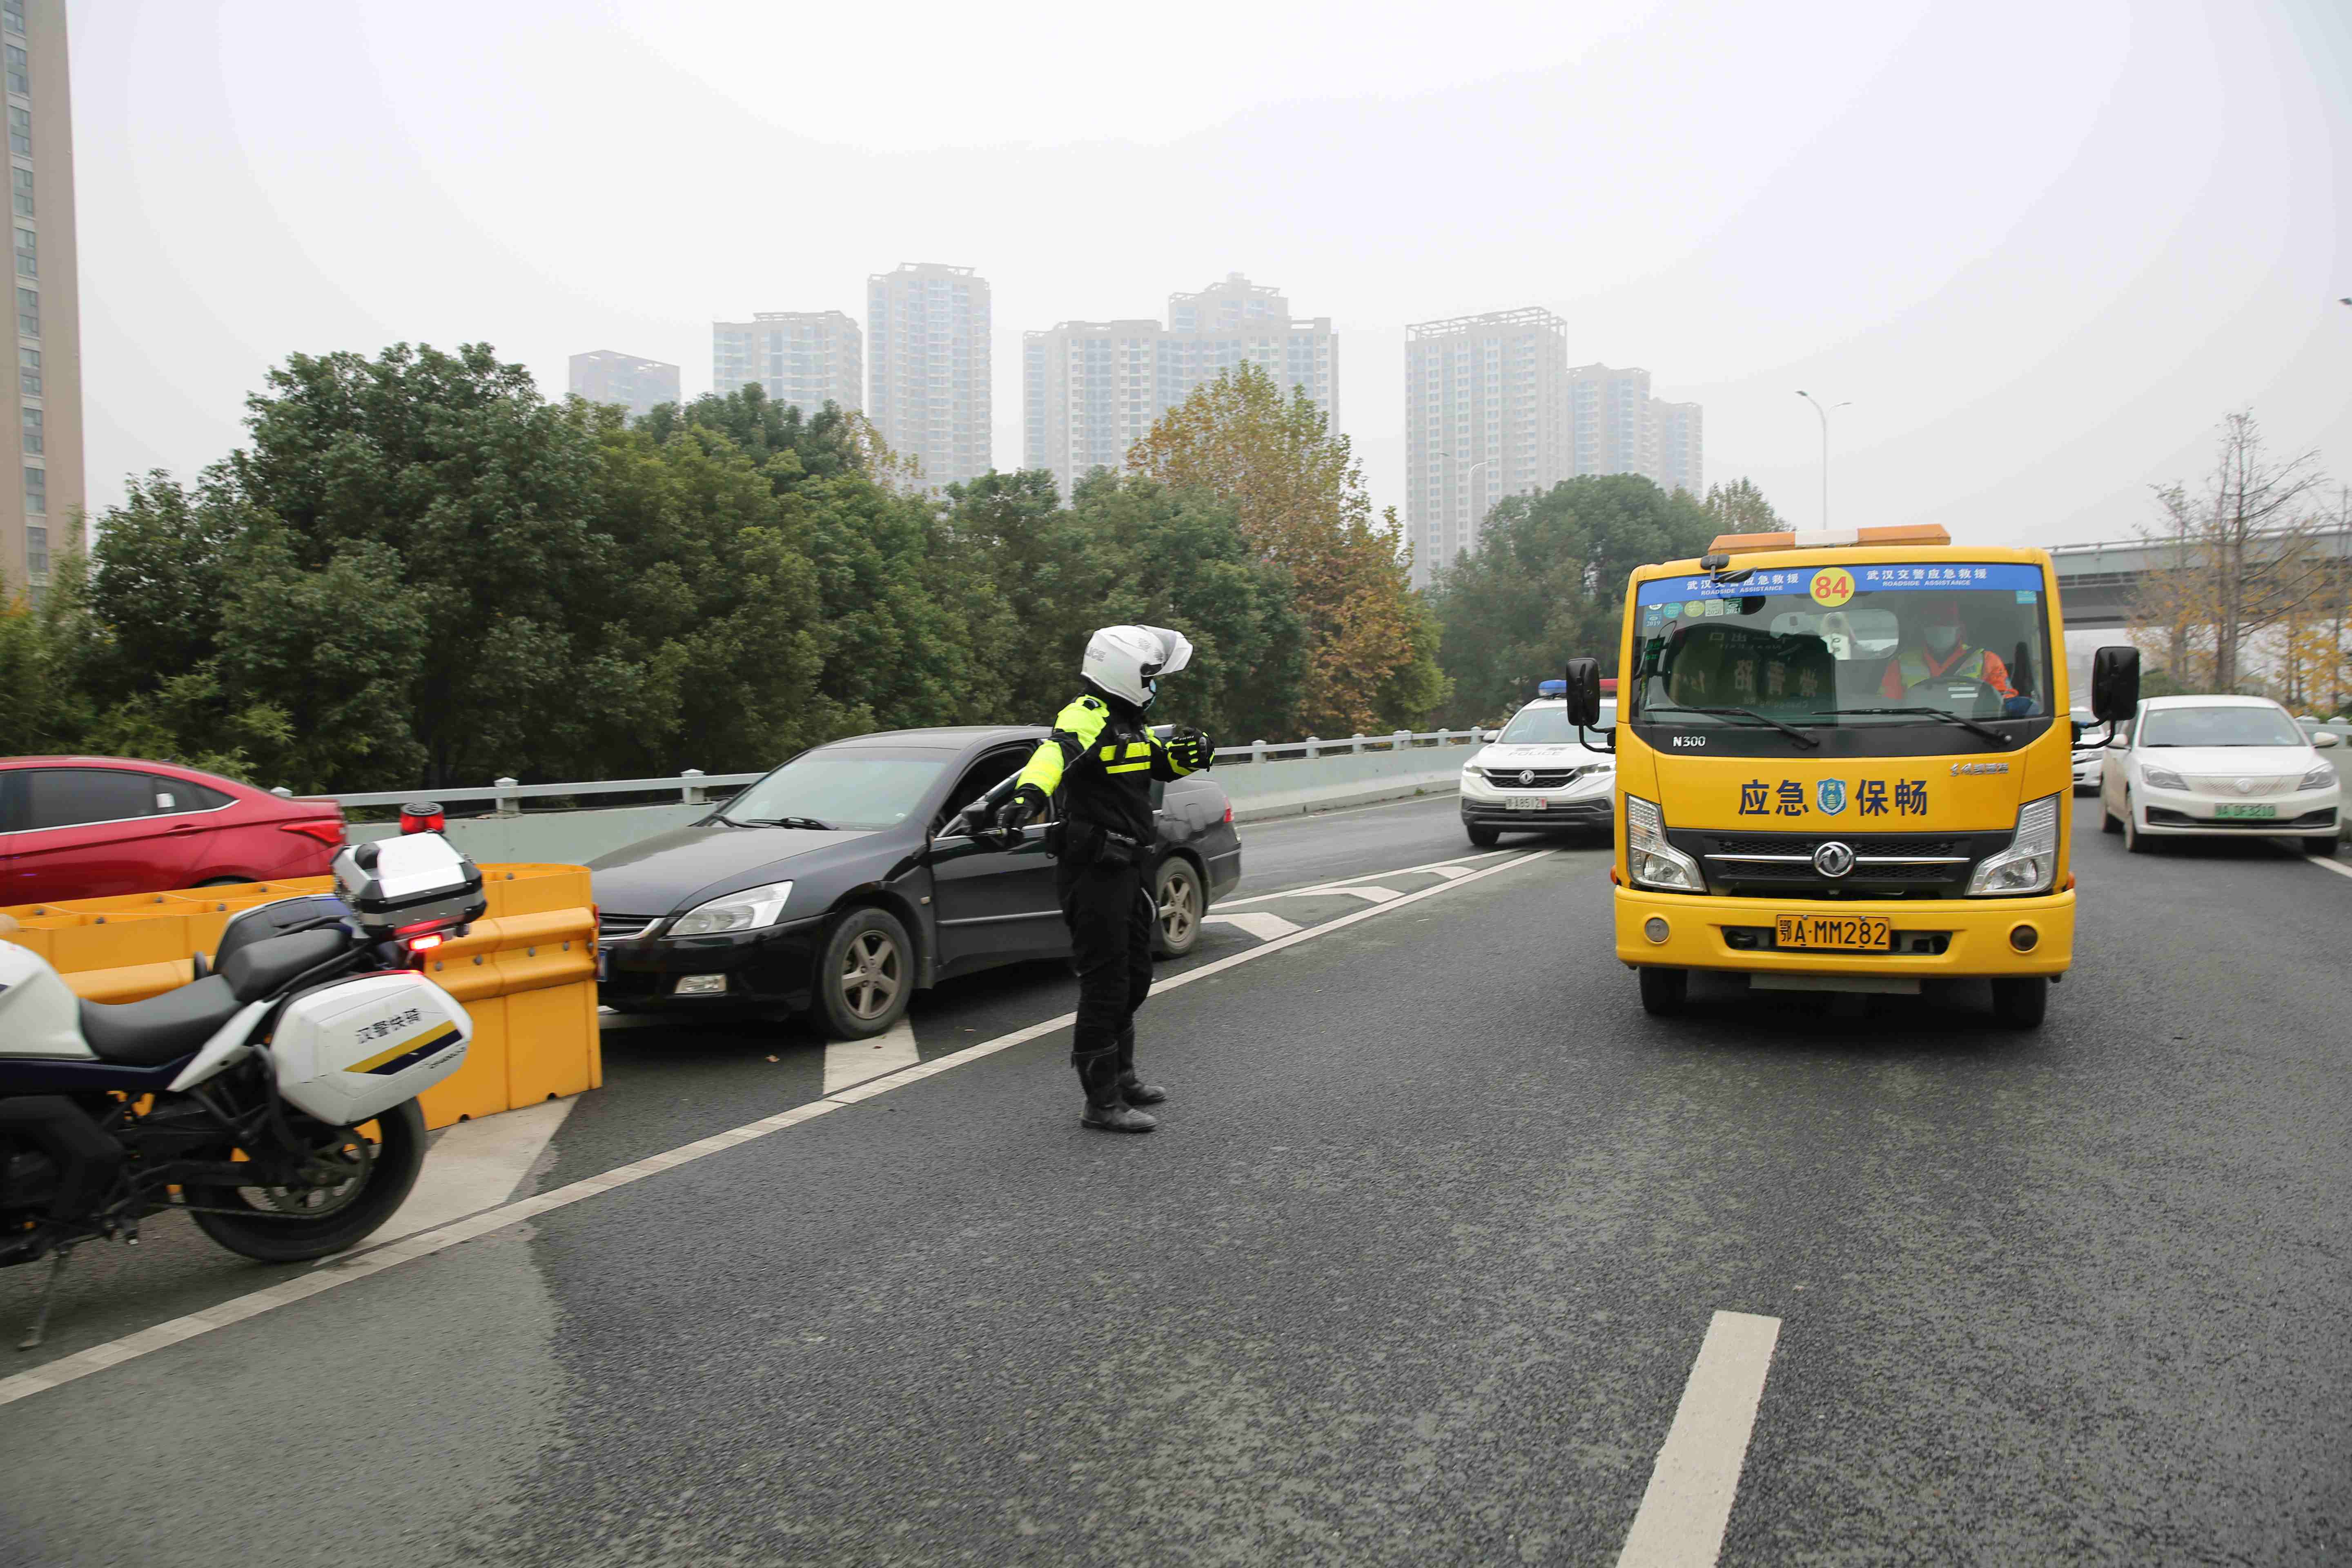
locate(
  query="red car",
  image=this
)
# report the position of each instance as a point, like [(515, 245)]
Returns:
[(89, 827)]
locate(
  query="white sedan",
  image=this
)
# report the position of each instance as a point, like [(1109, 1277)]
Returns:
[(1537, 775), (2218, 766), (2090, 756)]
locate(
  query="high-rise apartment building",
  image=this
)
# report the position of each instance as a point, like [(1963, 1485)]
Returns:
[(38, 514), (1681, 446), (1090, 390), (636, 384), (1619, 428), (927, 327), (809, 358), (1486, 416)]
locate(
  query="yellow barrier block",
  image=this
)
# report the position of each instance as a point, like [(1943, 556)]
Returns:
[(525, 972)]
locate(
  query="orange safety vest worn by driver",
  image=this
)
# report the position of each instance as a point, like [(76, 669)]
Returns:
[(1914, 664)]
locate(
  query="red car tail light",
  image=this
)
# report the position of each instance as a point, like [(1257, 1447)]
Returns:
[(328, 831), (1229, 814)]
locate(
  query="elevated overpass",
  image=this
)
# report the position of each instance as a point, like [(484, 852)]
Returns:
[(2096, 582)]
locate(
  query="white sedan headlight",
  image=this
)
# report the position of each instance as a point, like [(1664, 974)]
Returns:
[(2161, 778), (2319, 777), (2029, 864), (1652, 861), (747, 910)]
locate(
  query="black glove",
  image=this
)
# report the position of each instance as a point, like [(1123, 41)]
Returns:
[(1023, 807), (1192, 750)]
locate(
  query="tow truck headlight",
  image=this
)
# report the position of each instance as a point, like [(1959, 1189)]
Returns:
[(746, 910), (2319, 777), (2161, 778), (1650, 860), (2029, 864)]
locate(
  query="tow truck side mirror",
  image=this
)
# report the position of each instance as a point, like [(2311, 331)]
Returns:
[(1583, 693), (2115, 684)]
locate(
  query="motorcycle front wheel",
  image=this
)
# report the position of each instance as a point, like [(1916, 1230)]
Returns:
[(293, 1225)]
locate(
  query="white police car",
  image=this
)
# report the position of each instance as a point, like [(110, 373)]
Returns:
[(1536, 776)]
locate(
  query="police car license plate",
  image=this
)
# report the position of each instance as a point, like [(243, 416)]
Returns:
[(1852, 933), (2244, 809), (1528, 803)]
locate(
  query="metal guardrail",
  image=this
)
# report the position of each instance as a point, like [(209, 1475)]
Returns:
[(694, 788)]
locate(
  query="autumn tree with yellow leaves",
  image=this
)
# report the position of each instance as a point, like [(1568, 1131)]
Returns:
[(1299, 494)]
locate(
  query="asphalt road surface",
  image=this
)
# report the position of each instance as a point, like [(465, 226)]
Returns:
[(1418, 1269)]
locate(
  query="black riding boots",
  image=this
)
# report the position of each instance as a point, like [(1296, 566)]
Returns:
[(1110, 1109)]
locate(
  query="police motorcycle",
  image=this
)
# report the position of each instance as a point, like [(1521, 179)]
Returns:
[(273, 1098)]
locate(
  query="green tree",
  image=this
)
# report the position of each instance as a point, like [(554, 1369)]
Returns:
[(1741, 508), (1548, 583), (1299, 494)]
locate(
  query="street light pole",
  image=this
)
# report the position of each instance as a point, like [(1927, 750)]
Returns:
[(1825, 448)]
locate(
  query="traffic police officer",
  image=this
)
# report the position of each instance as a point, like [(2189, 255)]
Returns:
[(1101, 759)]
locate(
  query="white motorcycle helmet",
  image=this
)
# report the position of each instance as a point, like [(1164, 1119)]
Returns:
[(1127, 662)]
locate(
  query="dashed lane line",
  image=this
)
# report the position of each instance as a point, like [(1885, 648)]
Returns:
[(375, 1260), (1257, 922), (2329, 862), (854, 1061), (1681, 1521), (1459, 865)]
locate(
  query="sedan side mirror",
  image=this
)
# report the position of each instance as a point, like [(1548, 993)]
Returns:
[(1583, 693), (2325, 738), (2114, 683)]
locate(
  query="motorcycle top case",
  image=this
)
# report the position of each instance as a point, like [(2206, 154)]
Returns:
[(39, 1014), (355, 1048), (418, 881)]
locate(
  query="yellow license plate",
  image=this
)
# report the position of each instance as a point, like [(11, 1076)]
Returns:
[(1849, 933)]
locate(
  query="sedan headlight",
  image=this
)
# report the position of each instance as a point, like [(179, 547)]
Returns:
[(2319, 777), (747, 910), (1652, 861), (2029, 864), (2161, 778)]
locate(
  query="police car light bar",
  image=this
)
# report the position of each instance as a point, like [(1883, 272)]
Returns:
[(1753, 543)]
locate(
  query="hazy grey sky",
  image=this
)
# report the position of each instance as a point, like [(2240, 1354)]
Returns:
[(2042, 248)]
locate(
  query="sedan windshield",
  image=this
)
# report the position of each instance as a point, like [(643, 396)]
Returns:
[(2230, 726), (1548, 726), (838, 789), (1866, 646)]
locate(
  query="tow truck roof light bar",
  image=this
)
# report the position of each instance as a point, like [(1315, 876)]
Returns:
[(1821, 539)]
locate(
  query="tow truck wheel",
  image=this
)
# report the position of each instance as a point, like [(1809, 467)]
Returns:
[(1483, 838), (2020, 1003), (1663, 991)]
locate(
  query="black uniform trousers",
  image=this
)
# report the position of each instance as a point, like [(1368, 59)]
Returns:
[(1112, 922)]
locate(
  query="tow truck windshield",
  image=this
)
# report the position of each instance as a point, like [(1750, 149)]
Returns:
[(1883, 648)]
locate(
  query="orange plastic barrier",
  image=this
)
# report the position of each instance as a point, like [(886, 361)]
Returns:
[(526, 972)]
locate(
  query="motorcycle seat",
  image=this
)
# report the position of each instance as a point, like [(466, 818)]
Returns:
[(264, 968), (162, 1028)]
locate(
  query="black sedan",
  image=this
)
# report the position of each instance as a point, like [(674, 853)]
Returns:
[(851, 876)]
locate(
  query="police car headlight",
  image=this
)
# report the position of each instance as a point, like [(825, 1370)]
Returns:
[(746, 911), (1650, 860), (2029, 864)]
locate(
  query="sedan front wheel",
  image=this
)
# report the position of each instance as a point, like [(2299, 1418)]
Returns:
[(867, 975)]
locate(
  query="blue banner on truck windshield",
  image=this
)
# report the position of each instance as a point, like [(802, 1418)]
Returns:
[(1835, 585)]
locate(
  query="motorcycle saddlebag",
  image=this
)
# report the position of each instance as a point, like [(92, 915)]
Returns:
[(355, 1048)]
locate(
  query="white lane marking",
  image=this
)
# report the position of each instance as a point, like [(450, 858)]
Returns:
[(1458, 867), (2329, 862), (855, 1061), (475, 1165), (1259, 924), (1683, 1514), (375, 1259), (1368, 894)]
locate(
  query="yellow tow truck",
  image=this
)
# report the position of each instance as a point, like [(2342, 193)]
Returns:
[(1844, 762)]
